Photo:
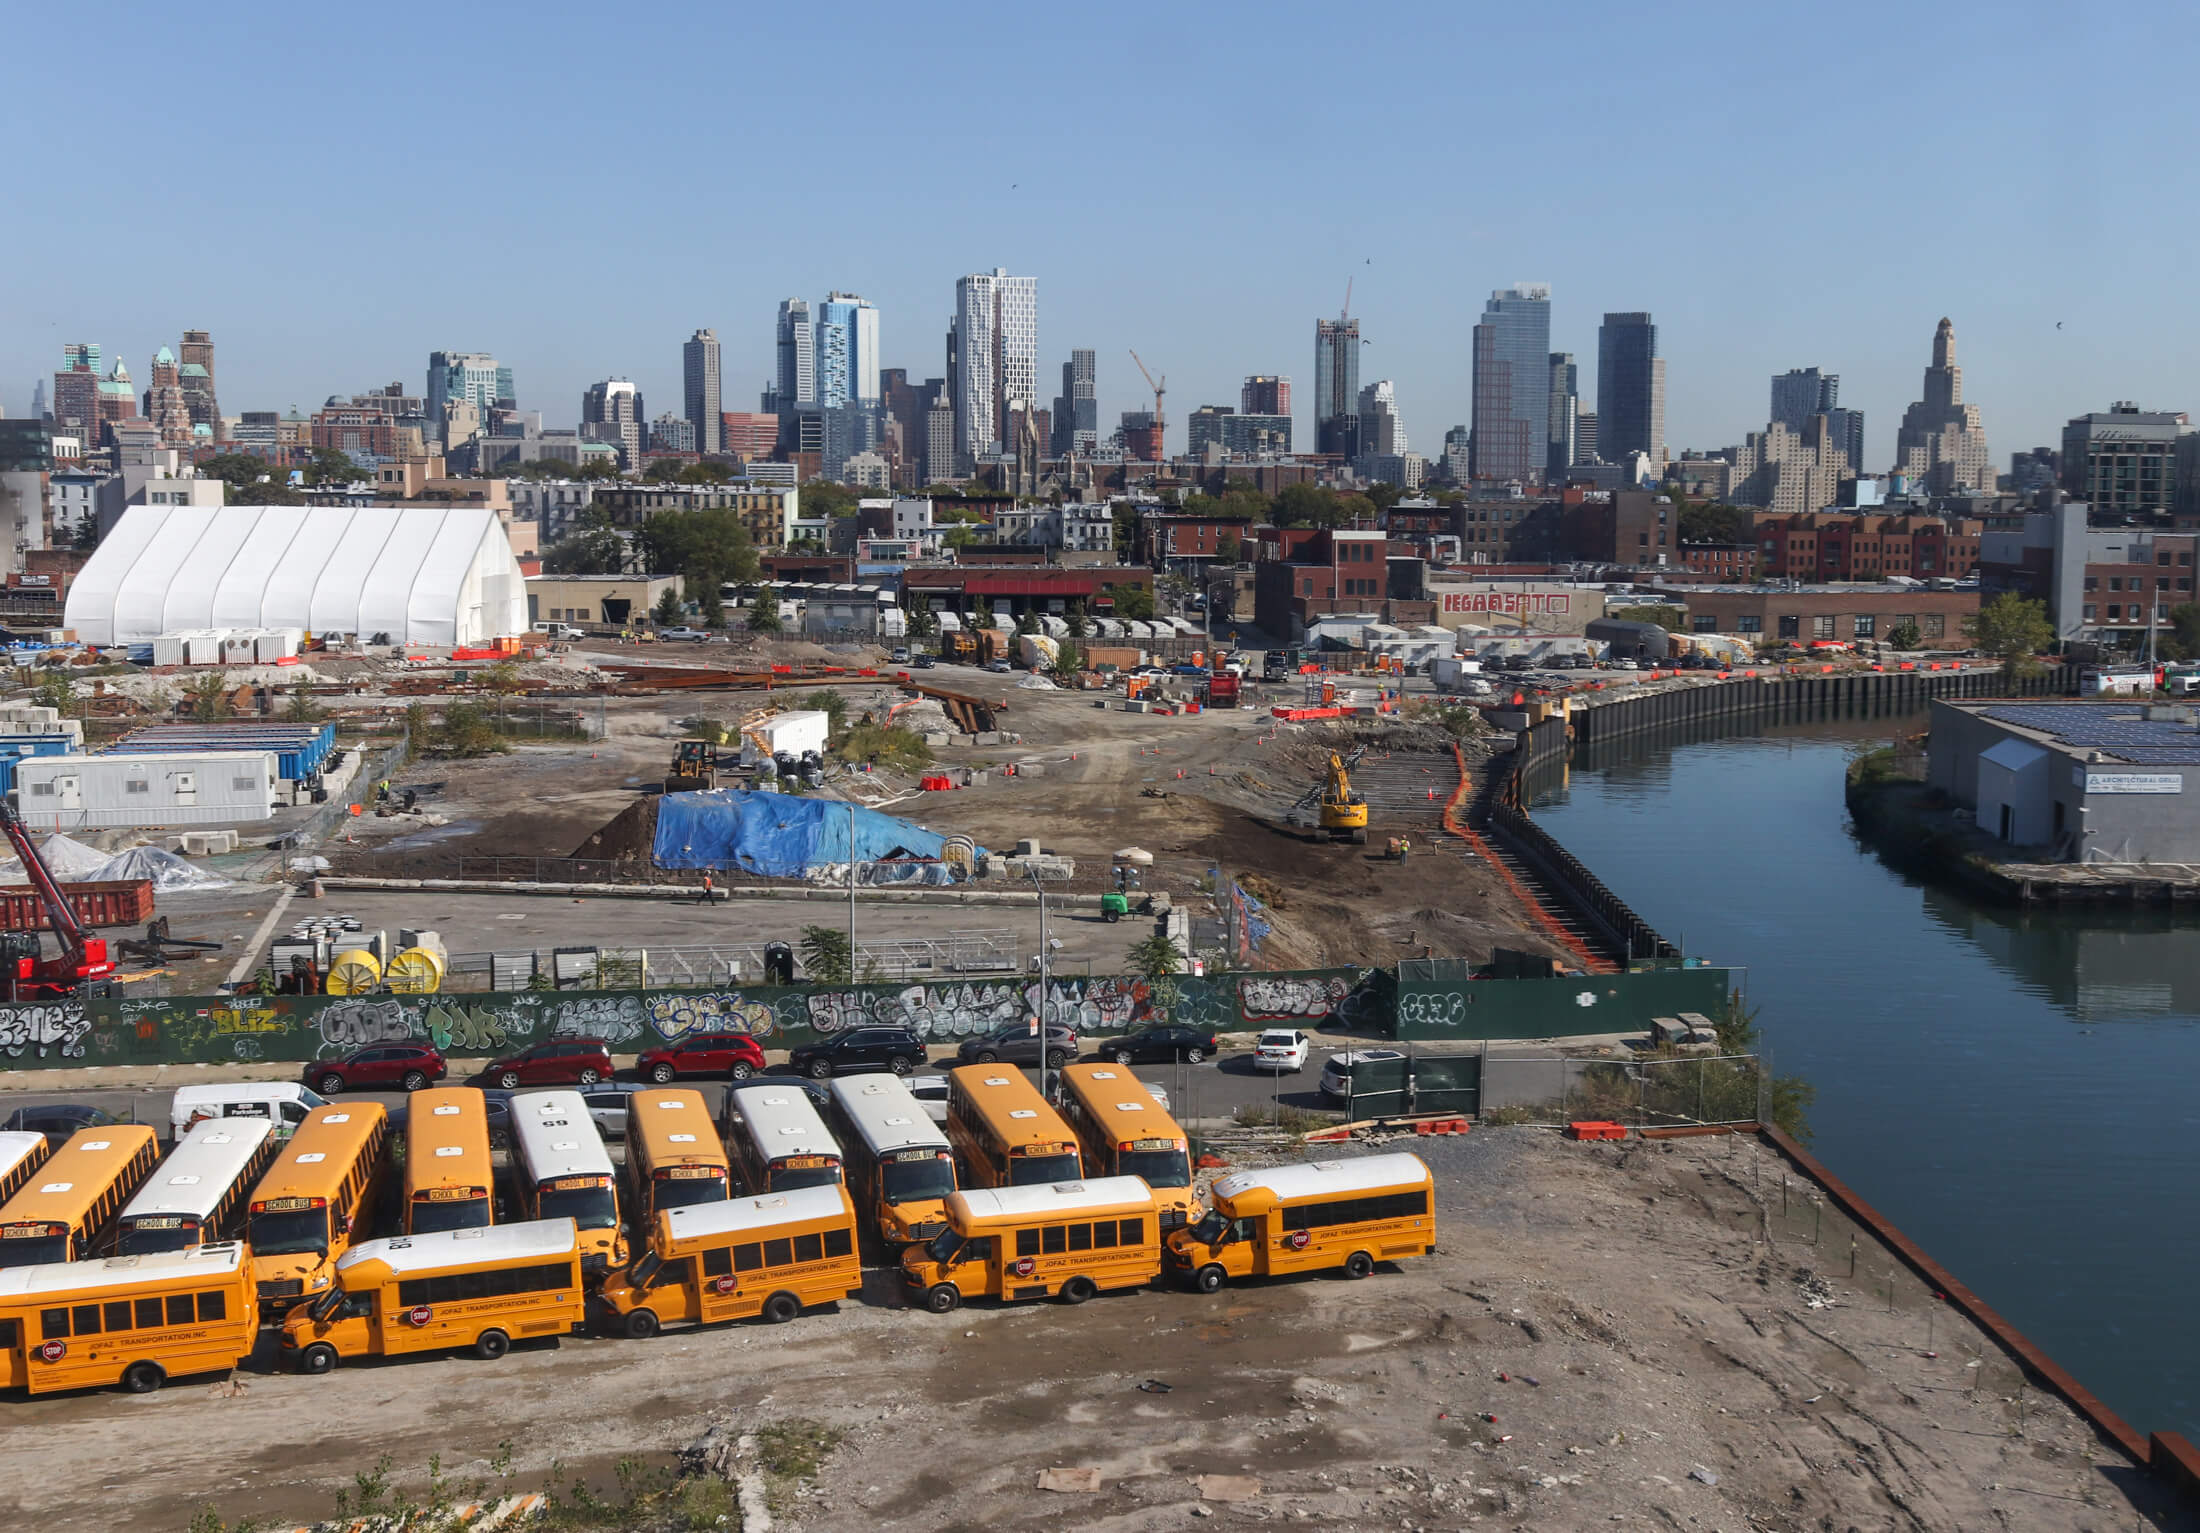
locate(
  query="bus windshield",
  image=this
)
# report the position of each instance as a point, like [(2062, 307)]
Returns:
[(902, 1181), (141, 1240), (1160, 1168), (1038, 1170), (592, 1208), (294, 1232), (943, 1246), (1209, 1230), (466, 1214), (686, 1191), (34, 1253), (807, 1176)]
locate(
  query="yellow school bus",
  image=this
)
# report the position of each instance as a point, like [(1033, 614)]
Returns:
[(772, 1256), (129, 1320), (20, 1156), (898, 1160), (1067, 1238), (448, 1179), (1348, 1214), (560, 1170), (62, 1214), (1003, 1132), (197, 1195), (320, 1191), (1126, 1132), (479, 1288), (673, 1155)]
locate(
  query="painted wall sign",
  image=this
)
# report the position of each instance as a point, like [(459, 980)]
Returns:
[(2134, 782)]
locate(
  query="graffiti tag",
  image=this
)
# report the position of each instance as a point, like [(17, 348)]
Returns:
[(469, 1031), (678, 1015), (357, 1021), (61, 1025), (1432, 1008), (1291, 996)]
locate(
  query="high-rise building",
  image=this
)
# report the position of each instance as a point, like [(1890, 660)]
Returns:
[(1459, 455), (1337, 387), (466, 377), (611, 411), (700, 391), (939, 434), (995, 355), (1204, 429), (1585, 437), (1265, 394), (1801, 392), (1565, 407), (1630, 390), (1512, 384), (672, 433), (2123, 462), (164, 404), (195, 376), (1942, 441), (1077, 407), (797, 370), (38, 410), (2037, 469), (76, 389), (847, 351), (1790, 472), (1382, 434), (1847, 428)]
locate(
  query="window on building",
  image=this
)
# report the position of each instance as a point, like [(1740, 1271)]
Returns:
[(1704, 622), (1749, 622), (1791, 628), (2092, 582), (1867, 625), (2115, 612), (1821, 627), (1934, 625), (2089, 613), (2161, 558), (2115, 582)]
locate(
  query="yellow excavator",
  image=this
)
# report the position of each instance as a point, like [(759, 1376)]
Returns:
[(1333, 805)]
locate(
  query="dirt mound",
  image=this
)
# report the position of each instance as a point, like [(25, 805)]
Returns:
[(628, 835)]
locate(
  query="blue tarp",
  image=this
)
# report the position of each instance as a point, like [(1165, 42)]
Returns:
[(777, 835)]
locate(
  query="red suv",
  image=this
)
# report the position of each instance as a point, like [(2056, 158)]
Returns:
[(736, 1056), (382, 1067), (559, 1062)]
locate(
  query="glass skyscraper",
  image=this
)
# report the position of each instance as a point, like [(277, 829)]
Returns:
[(1630, 390), (1337, 387), (1512, 384)]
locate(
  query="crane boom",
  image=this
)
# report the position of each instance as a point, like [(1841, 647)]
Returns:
[(1160, 391), (83, 956)]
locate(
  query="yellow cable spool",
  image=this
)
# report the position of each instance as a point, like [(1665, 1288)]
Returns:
[(415, 971), (355, 972)]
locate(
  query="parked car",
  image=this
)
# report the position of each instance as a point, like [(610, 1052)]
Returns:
[(607, 1103), (56, 1120), (931, 1094), (557, 1062), (859, 1049), (689, 635), (735, 1056), (1018, 1045), (1335, 1073), (1167, 1041), (381, 1067), (1282, 1049), (920, 662), (1002, 666), (901, 654)]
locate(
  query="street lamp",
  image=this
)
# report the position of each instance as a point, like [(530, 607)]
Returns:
[(1044, 1039)]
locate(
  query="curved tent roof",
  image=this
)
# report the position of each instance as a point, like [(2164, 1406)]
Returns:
[(421, 574)]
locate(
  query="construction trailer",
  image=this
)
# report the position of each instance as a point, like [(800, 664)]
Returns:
[(147, 792)]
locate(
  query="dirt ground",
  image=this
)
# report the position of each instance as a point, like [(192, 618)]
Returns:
[(1664, 1335)]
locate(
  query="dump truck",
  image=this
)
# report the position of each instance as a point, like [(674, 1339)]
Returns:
[(1222, 690)]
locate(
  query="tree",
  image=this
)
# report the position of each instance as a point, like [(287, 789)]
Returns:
[(707, 547), (1905, 636), (668, 607), (303, 709), (1705, 522), (1311, 505), (1074, 617), (598, 466), (663, 471), (208, 696), (821, 497), (922, 624), (1157, 960), (709, 471), (764, 610), (1227, 549), (825, 956), (1066, 660), (594, 547), (57, 692), (1126, 530), (1133, 603), (2012, 629), (328, 466), (710, 607), (1028, 622), (1383, 495)]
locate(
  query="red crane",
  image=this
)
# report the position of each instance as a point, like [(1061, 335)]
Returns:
[(25, 975)]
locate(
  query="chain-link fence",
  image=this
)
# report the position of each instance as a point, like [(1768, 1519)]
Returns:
[(1645, 1093)]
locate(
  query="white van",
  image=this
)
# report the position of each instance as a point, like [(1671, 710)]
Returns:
[(283, 1103)]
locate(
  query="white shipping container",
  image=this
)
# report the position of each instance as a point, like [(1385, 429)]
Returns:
[(204, 647), (275, 644), (168, 649), (788, 733), (240, 646), (70, 793)]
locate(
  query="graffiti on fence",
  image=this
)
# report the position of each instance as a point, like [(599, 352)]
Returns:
[(1291, 996), (614, 1016), (56, 1025), (680, 1014), (1432, 1008), (458, 1029), (359, 1020)]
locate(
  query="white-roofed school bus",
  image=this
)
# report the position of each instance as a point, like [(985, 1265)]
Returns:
[(1347, 1214)]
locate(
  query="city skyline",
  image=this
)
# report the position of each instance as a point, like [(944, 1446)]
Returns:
[(305, 309)]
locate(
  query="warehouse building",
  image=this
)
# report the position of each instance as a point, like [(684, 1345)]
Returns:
[(2074, 782), (432, 574)]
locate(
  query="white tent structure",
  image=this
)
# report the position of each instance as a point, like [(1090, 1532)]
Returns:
[(421, 574)]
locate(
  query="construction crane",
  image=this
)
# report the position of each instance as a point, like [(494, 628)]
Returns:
[(1160, 391), (83, 961)]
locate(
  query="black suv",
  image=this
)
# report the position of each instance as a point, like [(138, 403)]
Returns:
[(1190, 1044), (858, 1049), (1019, 1045)]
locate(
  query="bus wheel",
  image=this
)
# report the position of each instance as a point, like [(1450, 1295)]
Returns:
[(1077, 1290), (491, 1345), (781, 1308), (642, 1324), (143, 1378), (1209, 1279), (1358, 1265), (318, 1358), (942, 1297)]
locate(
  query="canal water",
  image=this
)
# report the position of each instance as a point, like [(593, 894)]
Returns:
[(2019, 1092)]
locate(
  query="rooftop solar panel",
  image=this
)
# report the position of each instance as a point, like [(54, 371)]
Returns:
[(2117, 729)]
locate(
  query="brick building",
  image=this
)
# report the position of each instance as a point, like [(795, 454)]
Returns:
[(1825, 545), (1326, 570), (1846, 614), (1162, 537), (975, 588), (1729, 562)]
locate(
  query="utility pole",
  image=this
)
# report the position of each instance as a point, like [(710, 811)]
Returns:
[(1044, 989), (851, 891)]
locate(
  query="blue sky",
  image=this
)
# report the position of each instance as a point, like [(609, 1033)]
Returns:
[(335, 192)]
